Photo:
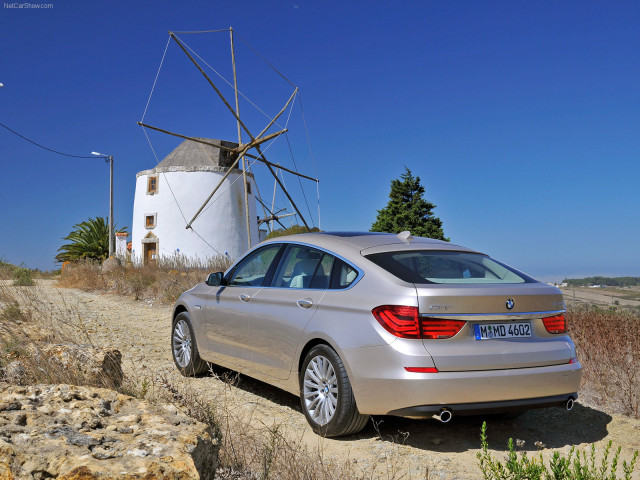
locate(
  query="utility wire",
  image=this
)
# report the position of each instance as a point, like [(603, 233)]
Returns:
[(46, 148)]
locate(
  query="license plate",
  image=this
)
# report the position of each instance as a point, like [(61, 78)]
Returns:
[(489, 331)]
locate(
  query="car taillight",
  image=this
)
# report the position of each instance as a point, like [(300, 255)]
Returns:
[(439, 328), (398, 320), (405, 322), (555, 324)]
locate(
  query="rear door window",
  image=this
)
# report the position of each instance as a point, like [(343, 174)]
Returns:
[(303, 267)]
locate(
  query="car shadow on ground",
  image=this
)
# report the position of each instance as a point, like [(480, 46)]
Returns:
[(256, 387), (541, 428)]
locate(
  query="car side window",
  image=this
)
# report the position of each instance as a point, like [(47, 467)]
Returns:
[(303, 267), (342, 275), (253, 269)]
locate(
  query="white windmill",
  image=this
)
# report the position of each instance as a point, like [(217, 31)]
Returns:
[(202, 196)]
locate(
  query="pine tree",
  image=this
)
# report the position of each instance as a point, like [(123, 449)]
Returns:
[(408, 210)]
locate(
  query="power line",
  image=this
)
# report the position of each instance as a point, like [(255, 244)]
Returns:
[(42, 146)]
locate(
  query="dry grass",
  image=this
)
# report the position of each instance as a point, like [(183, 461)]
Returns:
[(41, 343), (608, 347), (249, 451), (163, 281)]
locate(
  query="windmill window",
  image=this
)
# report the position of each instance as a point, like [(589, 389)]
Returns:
[(152, 185), (150, 220)]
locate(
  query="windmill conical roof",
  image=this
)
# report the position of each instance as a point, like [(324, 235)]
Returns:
[(192, 156)]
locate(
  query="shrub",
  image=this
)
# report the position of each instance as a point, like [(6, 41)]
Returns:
[(577, 465), (83, 274), (23, 277), (293, 230), (609, 351)]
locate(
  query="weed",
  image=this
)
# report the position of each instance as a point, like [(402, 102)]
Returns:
[(577, 465)]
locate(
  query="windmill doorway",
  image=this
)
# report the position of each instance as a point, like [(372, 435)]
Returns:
[(150, 252), (150, 249)]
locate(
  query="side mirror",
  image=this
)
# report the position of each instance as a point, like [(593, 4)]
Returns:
[(215, 279)]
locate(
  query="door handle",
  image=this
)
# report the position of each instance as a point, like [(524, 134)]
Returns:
[(305, 303), (245, 298)]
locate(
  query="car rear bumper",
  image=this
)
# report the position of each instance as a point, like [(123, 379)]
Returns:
[(426, 411), (382, 386)]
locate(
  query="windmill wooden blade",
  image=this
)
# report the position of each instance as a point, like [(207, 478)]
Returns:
[(277, 165), (284, 189), (214, 190), (279, 113), (212, 84)]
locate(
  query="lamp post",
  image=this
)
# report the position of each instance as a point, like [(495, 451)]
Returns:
[(109, 158)]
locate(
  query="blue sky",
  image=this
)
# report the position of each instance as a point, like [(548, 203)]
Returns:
[(520, 118)]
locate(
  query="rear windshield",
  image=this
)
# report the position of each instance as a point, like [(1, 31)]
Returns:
[(429, 266)]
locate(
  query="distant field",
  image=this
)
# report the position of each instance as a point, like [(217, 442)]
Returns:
[(607, 296)]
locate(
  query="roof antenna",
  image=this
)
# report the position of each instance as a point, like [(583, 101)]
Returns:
[(405, 236)]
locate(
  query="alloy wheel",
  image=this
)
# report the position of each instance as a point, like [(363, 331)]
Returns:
[(320, 390), (182, 343)]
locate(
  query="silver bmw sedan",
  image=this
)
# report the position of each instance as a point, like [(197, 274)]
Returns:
[(361, 324)]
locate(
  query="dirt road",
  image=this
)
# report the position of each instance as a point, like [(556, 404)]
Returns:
[(141, 331)]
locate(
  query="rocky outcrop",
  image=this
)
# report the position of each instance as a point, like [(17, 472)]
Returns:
[(68, 363), (30, 354), (70, 432), (111, 264), (95, 366)]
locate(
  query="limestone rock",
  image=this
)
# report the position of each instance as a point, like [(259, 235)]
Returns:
[(85, 433), (68, 363), (96, 366)]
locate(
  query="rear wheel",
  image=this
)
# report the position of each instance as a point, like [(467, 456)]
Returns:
[(184, 347), (326, 396)]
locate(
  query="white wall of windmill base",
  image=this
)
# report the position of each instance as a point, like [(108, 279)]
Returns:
[(222, 224)]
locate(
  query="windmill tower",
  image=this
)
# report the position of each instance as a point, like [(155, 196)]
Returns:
[(170, 215), (163, 193)]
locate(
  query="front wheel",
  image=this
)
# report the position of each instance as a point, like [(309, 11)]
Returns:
[(326, 396), (184, 347)]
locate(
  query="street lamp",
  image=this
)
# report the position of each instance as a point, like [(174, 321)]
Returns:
[(109, 158)]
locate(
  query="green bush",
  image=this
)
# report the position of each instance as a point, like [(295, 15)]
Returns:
[(23, 277), (577, 465), (293, 230)]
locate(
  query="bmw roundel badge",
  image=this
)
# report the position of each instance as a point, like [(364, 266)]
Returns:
[(510, 303)]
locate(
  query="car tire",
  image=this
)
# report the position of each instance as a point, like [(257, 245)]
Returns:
[(326, 396), (184, 347)]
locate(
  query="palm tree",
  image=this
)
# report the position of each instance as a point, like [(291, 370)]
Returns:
[(89, 239)]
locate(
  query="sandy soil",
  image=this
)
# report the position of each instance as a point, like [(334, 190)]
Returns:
[(397, 448)]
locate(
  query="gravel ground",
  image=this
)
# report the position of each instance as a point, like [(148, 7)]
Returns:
[(388, 448)]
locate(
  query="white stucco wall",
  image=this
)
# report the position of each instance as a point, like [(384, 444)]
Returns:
[(222, 224)]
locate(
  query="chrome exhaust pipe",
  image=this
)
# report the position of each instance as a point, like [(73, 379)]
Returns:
[(445, 415), (569, 404)]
